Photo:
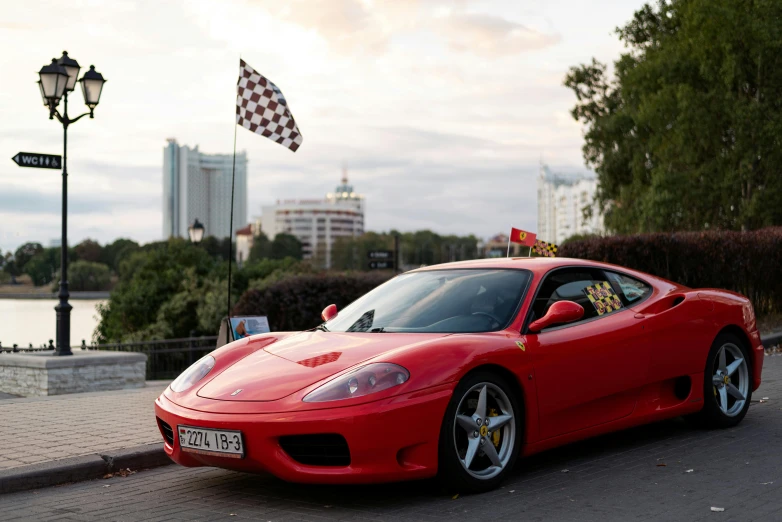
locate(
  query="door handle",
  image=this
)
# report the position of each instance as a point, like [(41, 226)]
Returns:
[(640, 316)]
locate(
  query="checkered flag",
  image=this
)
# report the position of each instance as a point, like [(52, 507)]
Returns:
[(262, 109), (542, 248)]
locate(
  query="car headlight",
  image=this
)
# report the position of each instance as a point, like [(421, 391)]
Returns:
[(192, 375), (362, 381)]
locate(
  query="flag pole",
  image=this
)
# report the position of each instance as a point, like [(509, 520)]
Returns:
[(231, 218), (231, 225), (508, 253)]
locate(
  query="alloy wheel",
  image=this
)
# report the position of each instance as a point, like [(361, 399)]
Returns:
[(484, 431), (730, 379)]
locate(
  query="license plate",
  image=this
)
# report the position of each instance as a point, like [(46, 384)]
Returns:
[(206, 441)]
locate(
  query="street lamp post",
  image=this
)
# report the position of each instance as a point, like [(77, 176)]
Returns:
[(56, 81), (196, 232)]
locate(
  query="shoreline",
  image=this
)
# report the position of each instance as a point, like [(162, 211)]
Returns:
[(53, 296)]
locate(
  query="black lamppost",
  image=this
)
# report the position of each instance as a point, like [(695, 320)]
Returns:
[(196, 232), (56, 80)]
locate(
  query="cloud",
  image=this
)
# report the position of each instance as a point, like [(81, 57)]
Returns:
[(17, 200), (351, 27), (347, 25), (490, 35), (441, 108)]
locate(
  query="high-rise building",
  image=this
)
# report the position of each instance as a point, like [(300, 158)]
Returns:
[(198, 186), (561, 202), (317, 223)]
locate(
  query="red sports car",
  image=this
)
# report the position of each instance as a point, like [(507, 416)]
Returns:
[(458, 369)]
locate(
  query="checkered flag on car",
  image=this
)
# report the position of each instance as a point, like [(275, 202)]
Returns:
[(261, 108), (542, 248)]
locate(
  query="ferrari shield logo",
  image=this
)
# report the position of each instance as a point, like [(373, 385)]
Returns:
[(521, 345)]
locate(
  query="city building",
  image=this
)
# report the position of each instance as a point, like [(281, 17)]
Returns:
[(244, 243), (317, 223), (561, 202), (198, 186)]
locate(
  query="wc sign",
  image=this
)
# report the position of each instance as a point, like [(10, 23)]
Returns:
[(39, 161)]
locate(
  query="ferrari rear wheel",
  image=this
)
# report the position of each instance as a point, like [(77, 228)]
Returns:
[(727, 387), (481, 433)]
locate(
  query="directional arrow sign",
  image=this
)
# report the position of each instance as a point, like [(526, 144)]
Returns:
[(382, 265), (39, 161), (380, 254)]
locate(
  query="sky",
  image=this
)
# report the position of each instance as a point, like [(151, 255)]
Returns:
[(442, 110)]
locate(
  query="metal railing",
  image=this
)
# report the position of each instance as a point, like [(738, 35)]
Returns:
[(165, 358)]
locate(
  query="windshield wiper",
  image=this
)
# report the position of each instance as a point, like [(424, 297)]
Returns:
[(322, 328), (382, 329)]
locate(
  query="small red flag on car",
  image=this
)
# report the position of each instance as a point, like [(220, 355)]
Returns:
[(521, 237)]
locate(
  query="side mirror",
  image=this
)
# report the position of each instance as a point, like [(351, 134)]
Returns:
[(329, 312), (559, 312)]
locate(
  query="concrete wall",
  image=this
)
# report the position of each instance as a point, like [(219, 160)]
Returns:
[(34, 375)]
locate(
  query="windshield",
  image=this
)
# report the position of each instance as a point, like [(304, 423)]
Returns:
[(441, 301)]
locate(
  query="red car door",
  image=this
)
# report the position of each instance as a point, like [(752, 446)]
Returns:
[(588, 372)]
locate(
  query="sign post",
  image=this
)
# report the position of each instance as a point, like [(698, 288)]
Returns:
[(381, 259), (37, 160)]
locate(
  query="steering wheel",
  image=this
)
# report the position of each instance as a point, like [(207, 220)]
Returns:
[(490, 316)]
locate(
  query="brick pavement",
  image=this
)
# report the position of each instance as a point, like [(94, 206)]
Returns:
[(40, 429), (614, 477)]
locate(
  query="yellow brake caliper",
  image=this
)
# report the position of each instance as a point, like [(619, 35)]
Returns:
[(495, 437)]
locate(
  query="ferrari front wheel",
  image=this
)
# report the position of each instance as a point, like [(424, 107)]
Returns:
[(481, 433)]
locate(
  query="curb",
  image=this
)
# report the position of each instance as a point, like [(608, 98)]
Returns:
[(86, 467), (772, 339)]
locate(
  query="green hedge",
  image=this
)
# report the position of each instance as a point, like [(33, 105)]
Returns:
[(295, 303), (746, 262)]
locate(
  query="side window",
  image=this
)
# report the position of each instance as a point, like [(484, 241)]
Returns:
[(569, 284), (629, 290)]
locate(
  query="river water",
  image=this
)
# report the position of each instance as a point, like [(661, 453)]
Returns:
[(25, 321)]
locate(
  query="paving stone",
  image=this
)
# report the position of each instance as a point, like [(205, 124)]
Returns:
[(38, 429), (610, 478)]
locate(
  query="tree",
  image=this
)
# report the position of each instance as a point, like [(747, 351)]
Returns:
[(261, 248), (423, 247), (114, 252), (686, 134), (43, 267), (5, 277), (86, 276), (10, 268), (88, 250), (218, 248), (148, 279), (25, 253), (285, 245)]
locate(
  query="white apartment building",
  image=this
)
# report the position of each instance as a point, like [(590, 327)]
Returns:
[(561, 201), (198, 186), (317, 223)]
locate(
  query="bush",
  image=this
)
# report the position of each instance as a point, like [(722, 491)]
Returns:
[(746, 262), (295, 303), (148, 279), (43, 266), (86, 276)]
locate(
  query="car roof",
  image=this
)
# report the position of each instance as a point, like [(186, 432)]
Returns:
[(538, 265)]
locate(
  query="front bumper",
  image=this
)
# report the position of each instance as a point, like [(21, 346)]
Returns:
[(390, 439)]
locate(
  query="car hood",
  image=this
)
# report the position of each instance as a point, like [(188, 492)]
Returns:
[(301, 360)]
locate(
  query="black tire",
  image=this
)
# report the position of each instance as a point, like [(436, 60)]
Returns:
[(711, 416), (452, 473)]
